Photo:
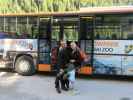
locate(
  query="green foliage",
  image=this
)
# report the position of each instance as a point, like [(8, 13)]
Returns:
[(103, 3), (22, 6)]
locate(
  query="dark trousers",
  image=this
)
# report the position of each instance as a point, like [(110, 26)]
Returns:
[(61, 83)]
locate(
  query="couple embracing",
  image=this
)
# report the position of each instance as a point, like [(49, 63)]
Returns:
[(67, 62)]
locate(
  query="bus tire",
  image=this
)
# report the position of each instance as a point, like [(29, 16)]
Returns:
[(24, 65)]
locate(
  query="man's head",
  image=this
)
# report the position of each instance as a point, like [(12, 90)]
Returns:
[(63, 43)]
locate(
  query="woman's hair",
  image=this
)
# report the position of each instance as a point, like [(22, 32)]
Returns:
[(73, 44)]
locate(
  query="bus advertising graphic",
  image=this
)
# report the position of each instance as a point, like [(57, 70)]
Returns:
[(113, 47), (18, 44), (107, 64), (116, 57)]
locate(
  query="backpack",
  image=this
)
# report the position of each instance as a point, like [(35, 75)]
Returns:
[(83, 55)]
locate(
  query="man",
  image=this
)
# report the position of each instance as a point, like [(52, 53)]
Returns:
[(62, 60)]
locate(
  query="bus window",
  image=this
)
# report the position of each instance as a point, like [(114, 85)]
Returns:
[(114, 27), (56, 29), (70, 29), (127, 27), (65, 28), (86, 27), (44, 46), (33, 27), (1, 24), (10, 24), (107, 27), (22, 30), (19, 27), (45, 28), (44, 51)]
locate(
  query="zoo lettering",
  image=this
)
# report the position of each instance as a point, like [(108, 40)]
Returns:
[(108, 50)]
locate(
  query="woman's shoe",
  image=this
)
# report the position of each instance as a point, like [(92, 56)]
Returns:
[(64, 88)]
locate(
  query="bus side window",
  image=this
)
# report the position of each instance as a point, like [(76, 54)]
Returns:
[(97, 36), (114, 36)]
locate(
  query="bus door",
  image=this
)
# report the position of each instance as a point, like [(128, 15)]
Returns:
[(63, 28), (44, 44), (86, 43)]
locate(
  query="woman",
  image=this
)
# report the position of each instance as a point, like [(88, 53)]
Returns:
[(76, 61)]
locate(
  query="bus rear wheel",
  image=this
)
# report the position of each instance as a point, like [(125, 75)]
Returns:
[(25, 66)]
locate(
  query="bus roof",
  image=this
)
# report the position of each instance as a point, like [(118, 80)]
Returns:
[(82, 11), (107, 10), (42, 14)]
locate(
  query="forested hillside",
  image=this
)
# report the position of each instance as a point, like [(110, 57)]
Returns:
[(20, 6)]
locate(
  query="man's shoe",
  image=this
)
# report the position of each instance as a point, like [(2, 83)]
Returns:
[(58, 90)]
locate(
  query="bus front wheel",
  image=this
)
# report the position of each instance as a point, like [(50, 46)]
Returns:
[(25, 66)]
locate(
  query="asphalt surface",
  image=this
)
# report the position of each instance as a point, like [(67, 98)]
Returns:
[(41, 87)]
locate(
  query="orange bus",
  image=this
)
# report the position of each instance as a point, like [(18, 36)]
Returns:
[(29, 42)]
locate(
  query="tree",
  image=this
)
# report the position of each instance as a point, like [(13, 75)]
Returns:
[(26, 6)]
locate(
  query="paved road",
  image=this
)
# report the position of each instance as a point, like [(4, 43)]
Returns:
[(41, 87)]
